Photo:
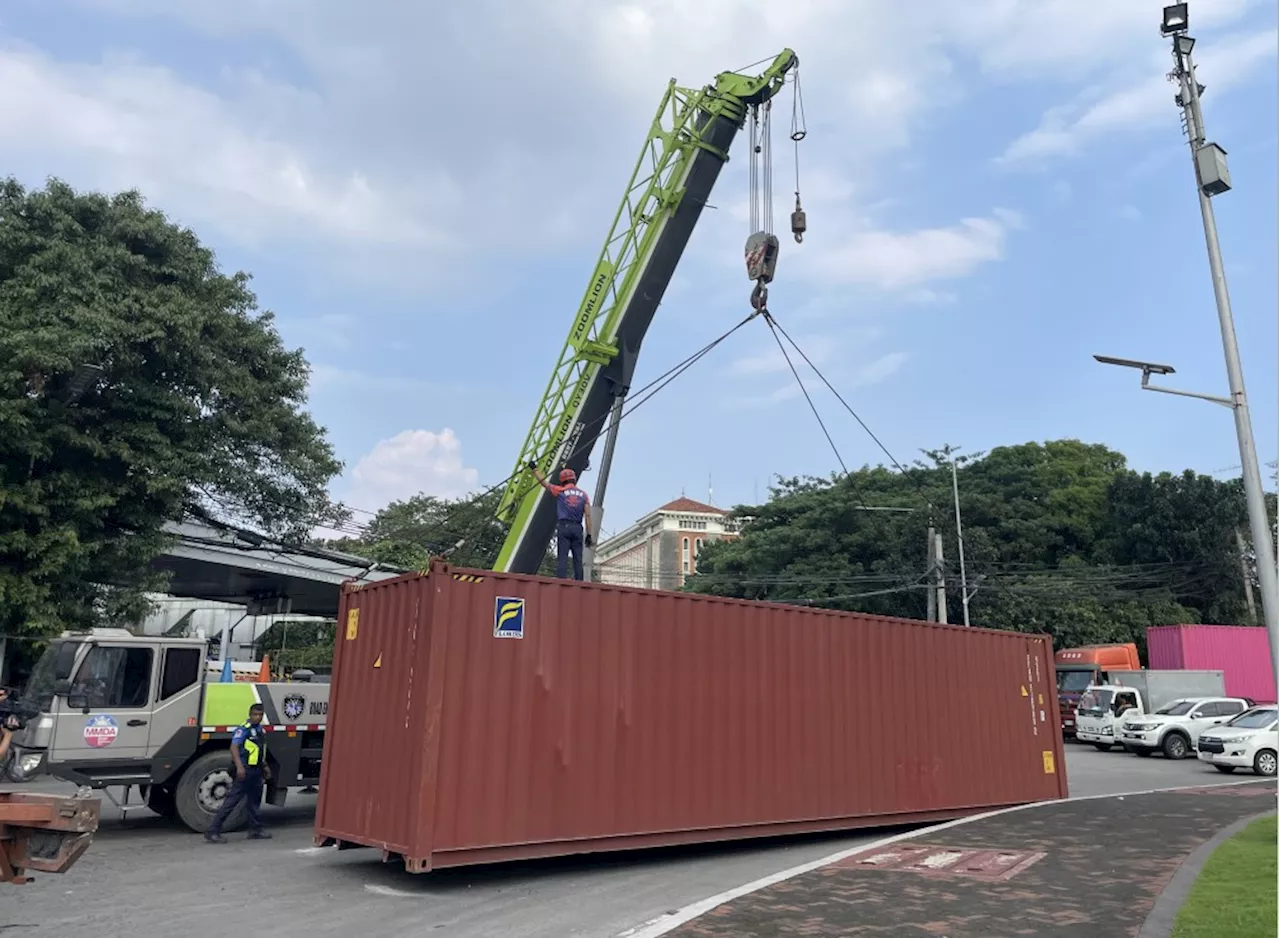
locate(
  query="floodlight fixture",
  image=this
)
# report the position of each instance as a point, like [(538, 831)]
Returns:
[(1174, 20)]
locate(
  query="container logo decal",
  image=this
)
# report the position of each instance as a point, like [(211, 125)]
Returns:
[(293, 706), (101, 731), (353, 623), (508, 617), (1047, 758)]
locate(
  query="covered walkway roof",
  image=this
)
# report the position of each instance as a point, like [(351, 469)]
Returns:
[(213, 563)]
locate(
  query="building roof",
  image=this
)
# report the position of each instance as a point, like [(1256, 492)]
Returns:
[(688, 505)]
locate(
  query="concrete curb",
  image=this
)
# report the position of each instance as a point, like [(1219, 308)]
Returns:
[(1159, 922)]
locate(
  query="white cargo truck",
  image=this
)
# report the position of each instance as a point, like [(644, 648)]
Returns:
[(1104, 707)]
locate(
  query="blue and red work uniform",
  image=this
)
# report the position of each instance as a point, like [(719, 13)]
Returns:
[(571, 505)]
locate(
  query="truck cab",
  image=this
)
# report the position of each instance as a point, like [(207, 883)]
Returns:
[(1080, 668), (119, 711), (1102, 709)]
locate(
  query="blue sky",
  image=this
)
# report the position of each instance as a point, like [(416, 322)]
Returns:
[(996, 191)]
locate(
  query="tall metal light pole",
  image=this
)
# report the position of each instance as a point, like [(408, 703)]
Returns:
[(1212, 178)]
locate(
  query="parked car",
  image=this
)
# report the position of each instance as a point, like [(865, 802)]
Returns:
[(1249, 741), (1175, 728)]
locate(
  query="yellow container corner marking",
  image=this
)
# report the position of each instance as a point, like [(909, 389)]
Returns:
[(378, 661), (1023, 688), (353, 623), (1047, 755)]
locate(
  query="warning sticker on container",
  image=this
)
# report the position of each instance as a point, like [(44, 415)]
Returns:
[(353, 624), (1047, 755), (508, 617)]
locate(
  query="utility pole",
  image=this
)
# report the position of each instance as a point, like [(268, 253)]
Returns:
[(964, 580), (1212, 178), (937, 593), (1244, 575)]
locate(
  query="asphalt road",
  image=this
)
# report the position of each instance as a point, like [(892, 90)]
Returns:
[(142, 878)]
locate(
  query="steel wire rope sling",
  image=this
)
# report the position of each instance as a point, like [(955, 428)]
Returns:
[(686, 147)]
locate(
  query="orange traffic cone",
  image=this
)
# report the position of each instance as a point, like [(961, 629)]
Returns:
[(264, 673)]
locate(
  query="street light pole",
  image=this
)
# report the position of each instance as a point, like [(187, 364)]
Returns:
[(1209, 162)]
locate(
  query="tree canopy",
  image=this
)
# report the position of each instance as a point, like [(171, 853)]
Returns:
[(138, 381), (1058, 537), (409, 533)]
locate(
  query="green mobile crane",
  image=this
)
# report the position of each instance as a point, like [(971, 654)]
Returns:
[(687, 144)]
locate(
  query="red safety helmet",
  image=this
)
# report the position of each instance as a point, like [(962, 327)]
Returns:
[(568, 475)]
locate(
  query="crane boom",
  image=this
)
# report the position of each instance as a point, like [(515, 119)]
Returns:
[(687, 144)]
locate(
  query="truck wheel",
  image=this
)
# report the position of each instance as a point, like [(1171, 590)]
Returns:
[(1225, 769), (1102, 747), (1175, 746), (161, 800), (1264, 763), (201, 790)]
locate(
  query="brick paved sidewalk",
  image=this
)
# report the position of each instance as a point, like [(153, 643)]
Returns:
[(1075, 869)]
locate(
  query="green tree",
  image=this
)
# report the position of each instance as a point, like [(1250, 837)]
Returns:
[(409, 533), (1059, 537), (136, 381)]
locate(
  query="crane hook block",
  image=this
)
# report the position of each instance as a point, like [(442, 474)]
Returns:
[(762, 256), (798, 222)]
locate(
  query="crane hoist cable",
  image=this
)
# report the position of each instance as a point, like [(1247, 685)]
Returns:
[(762, 245)]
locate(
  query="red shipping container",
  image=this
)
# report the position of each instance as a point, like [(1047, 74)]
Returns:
[(1241, 652), (478, 717)]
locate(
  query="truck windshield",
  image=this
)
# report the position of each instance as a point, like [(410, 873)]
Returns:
[(1177, 708), (1096, 701), (54, 665), (1254, 719), (1074, 682)]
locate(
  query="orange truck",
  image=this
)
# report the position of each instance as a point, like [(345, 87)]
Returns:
[(1077, 668)]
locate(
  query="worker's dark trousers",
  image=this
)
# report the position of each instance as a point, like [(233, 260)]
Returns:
[(250, 792), (569, 541)]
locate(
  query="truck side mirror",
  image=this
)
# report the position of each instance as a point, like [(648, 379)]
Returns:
[(62, 688)]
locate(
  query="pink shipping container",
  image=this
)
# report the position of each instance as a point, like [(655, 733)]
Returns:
[(1241, 652), (478, 717)]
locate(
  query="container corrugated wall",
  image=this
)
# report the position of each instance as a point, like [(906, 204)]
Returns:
[(1241, 652), (626, 718)]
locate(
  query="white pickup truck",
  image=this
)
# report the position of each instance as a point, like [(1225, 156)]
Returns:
[(1174, 728)]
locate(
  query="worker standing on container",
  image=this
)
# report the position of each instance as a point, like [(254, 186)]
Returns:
[(573, 511), (249, 759)]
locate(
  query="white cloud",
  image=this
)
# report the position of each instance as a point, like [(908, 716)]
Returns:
[(892, 260), (409, 463), (120, 124), (1144, 103)]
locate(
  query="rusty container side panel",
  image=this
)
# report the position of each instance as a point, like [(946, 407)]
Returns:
[(375, 734), (627, 718)]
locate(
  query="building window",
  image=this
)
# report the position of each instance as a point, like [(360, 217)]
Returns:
[(686, 566), (697, 547), (684, 551)]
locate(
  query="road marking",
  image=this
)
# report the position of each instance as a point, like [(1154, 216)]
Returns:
[(389, 891), (313, 851), (661, 925)]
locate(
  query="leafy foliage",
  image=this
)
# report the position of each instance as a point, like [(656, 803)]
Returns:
[(192, 400), (1058, 537), (409, 533)]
